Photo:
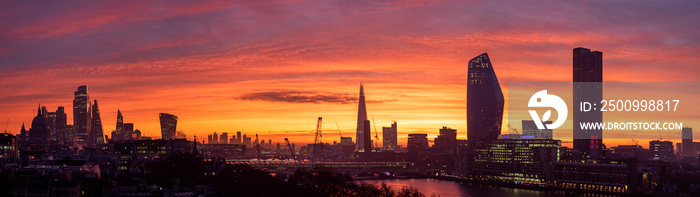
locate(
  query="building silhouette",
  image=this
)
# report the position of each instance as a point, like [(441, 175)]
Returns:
[(389, 136), (118, 133), (81, 116), (168, 125), (96, 133), (128, 130), (367, 137), (587, 87), (361, 117), (687, 143), (238, 137), (484, 102), (417, 144), (62, 134), (215, 138), (223, 138), (661, 150), (447, 140), (38, 134), (530, 129)]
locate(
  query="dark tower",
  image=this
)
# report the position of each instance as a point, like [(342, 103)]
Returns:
[(62, 136), (81, 115), (484, 102), (96, 133), (361, 117), (587, 87), (118, 133), (168, 124), (367, 137)]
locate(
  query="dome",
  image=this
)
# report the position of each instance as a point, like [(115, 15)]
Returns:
[(40, 128), (39, 121)]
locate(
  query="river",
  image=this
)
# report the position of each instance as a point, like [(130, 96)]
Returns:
[(444, 188)]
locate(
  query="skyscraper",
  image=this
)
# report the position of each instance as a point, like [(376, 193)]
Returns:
[(81, 115), (361, 117), (215, 138), (96, 133), (224, 138), (61, 121), (687, 143), (238, 137), (51, 120), (168, 125), (367, 137), (484, 102), (587, 87), (118, 133), (389, 136), (128, 130)]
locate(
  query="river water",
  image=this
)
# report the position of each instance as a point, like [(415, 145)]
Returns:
[(450, 188)]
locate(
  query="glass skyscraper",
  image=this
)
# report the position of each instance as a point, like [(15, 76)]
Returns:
[(361, 117), (168, 124), (81, 115), (484, 102)]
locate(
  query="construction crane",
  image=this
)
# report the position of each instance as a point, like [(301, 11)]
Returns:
[(318, 141), (510, 128), (376, 136), (291, 152), (336, 125)]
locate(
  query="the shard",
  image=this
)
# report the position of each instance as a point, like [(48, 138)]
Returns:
[(361, 117)]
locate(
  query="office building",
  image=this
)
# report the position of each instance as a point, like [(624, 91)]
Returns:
[(118, 133), (361, 118), (517, 161), (238, 137), (128, 131), (224, 138), (247, 141), (367, 137), (484, 102), (96, 133), (530, 129), (168, 125), (447, 140), (389, 137), (661, 150), (587, 87), (81, 116), (62, 136), (215, 138), (417, 143), (687, 143)]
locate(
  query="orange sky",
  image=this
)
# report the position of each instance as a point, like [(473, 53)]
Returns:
[(272, 68)]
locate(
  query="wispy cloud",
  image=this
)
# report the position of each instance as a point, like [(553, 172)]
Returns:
[(299, 97)]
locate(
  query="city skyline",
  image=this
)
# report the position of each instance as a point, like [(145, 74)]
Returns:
[(224, 81)]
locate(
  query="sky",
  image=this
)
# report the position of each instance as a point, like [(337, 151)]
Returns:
[(273, 67)]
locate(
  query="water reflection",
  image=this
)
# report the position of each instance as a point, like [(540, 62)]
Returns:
[(449, 189)]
